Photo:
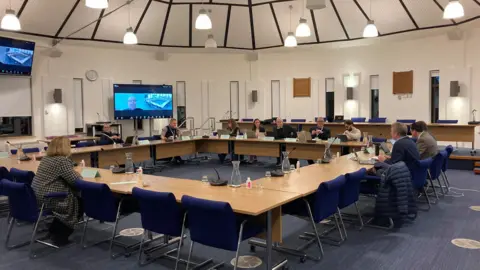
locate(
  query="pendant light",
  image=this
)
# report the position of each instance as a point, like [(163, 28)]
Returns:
[(130, 38), (453, 10), (370, 30), (303, 30), (291, 40), (10, 21), (210, 43), (97, 4), (203, 22)]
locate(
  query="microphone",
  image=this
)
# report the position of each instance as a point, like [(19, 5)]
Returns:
[(113, 140), (98, 115), (225, 114), (218, 182), (295, 148)]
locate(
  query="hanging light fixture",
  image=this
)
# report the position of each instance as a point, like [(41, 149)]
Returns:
[(453, 10), (98, 4), (10, 21), (303, 30), (210, 43), (203, 22), (129, 38), (291, 40), (370, 30)]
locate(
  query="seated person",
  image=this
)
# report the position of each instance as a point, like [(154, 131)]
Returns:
[(257, 128), (170, 133), (234, 131), (320, 131), (352, 133), (404, 149), (426, 144), (281, 131), (56, 173), (108, 137)]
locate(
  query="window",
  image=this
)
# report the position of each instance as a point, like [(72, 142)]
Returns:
[(181, 103), (78, 103), (330, 98), (374, 97), (234, 99), (275, 85), (16, 109), (434, 95), (16, 126)]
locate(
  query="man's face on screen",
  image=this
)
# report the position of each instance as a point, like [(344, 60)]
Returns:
[(132, 103)]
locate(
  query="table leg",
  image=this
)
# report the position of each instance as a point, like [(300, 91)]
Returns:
[(269, 240)]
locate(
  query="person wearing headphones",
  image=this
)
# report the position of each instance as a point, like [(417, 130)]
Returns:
[(170, 133)]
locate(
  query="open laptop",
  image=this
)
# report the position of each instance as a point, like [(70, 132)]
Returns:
[(251, 134), (364, 161), (221, 132), (342, 137), (129, 141), (304, 136)]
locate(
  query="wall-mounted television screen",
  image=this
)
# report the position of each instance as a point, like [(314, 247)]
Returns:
[(138, 101), (16, 56)]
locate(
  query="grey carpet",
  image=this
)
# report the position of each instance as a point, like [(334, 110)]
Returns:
[(425, 244)]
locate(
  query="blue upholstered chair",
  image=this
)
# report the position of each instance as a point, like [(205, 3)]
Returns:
[(324, 119), (378, 120), (214, 224), (85, 144), (21, 176), (419, 176), (156, 137), (4, 173), (378, 140), (160, 213), (247, 119), (23, 207), (436, 169), (358, 119), (298, 120), (406, 121), (447, 121), (31, 150), (449, 150), (99, 203), (350, 192), (146, 138)]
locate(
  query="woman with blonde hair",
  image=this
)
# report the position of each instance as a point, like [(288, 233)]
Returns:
[(56, 174)]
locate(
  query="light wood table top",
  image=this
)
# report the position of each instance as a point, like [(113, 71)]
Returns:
[(75, 139)]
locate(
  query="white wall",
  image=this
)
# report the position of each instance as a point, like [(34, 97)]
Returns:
[(208, 76)]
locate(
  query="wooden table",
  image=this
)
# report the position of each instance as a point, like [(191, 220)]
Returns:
[(75, 139), (442, 132), (115, 154)]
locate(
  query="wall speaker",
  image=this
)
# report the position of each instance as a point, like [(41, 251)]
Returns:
[(455, 34), (161, 56), (138, 124), (254, 95), (316, 4), (252, 57), (349, 93), (454, 88), (57, 95)]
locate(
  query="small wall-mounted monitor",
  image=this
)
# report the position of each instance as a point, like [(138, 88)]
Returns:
[(16, 57), (134, 101)]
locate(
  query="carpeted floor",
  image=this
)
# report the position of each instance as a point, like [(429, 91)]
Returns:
[(425, 244)]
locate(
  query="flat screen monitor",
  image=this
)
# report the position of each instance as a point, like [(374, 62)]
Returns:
[(16, 57), (135, 101)]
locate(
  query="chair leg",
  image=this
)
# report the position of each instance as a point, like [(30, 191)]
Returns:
[(446, 179), (114, 232), (34, 233), (140, 250), (312, 221), (238, 244), (341, 221), (84, 235), (181, 241), (338, 227), (189, 255), (426, 196), (359, 215), (441, 187), (431, 183), (9, 233)]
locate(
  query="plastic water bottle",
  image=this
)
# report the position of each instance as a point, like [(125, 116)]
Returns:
[(249, 183), (82, 163), (298, 165), (34, 157), (140, 177)]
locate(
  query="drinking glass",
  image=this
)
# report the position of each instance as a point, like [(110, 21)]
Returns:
[(205, 179), (268, 174), (292, 168)]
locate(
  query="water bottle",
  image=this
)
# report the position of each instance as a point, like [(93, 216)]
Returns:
[(82, 163), (236, 179), (285, 163), (249, 183), (129, 168)]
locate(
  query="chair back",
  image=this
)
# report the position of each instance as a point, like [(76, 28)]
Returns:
[(406, 121), (98, 200), (378, 120), (85, 144), (419, 172), (160, 212), (351, 189), (21, 176), (298, 120), (31, 150), (327, 198), (22, 200), (247, 119), (378, 140), (359, 119), (4, 174), (437, 164), (449, 150), (146, 138), (211, 223), (447, 121)]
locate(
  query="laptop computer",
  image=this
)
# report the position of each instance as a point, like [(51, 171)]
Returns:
[(221, 132), (130, 140), (342, 137), (251, 134), (304, 136), (364, 161), (338, 118)]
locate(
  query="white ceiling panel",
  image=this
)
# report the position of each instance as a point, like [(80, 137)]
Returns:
[(266, 33), (177, 31), (387, 21), (426, 13), (282, 10), (239, 32), (260, 1), (45, 17), (151, 27), (328, 25), (110, 28), (238, 2), (81, 17), (218, 16), (352, 18)]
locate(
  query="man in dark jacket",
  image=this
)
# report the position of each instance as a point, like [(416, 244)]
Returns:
[(320, 131), (281, 131)]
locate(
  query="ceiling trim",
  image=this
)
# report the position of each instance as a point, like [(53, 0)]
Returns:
[(276, 23), (340, 19), (252, 28), (98, 23), (227, 26), (408, 13), (67, 18), (364, 14), (142, 16), (476, 1), (165, 23), (312, 14), (441, 8), (22, 8)]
